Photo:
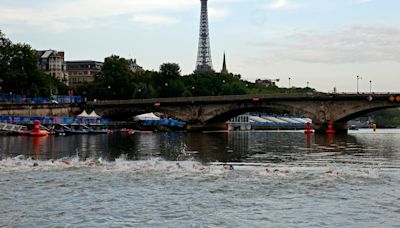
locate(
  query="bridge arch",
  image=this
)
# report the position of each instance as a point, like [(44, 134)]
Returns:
[(227, 113), (354, 115)]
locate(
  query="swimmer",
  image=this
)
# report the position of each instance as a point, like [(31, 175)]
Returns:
[(35, 164), (66, 162), (178, 165), (98, 162), (281, 171), (228, 167), (90, 164), (331, 173), (267, 171)]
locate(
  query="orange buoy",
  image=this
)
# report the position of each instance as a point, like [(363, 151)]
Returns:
[(36, 130)]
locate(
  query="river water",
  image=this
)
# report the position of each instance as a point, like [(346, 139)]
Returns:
[(178, 180)]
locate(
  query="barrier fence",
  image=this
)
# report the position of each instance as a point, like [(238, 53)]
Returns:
[(164, 122), (25, 120), (55, 99)]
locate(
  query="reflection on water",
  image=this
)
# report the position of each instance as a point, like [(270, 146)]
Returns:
[(178, 180), (262, 146)]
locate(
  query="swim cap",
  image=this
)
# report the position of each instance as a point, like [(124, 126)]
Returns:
[(99, 161)]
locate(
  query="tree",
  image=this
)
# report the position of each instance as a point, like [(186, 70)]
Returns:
[(234, 88), (19, 73), (115, 80), (170, 71), (5, 48)]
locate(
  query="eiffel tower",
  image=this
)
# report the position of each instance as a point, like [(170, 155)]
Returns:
[(204, 62)]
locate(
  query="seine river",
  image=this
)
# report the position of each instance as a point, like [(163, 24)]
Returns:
[(280, 179)]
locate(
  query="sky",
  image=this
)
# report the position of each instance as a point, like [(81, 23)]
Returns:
[(325, 43)]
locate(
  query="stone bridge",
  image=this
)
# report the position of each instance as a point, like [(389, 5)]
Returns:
[(211, 113), (43, 110)]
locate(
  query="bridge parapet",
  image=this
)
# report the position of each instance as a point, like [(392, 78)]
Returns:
[(40, 110), (235, 98)]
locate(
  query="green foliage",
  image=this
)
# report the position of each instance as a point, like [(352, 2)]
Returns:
[(19, 72), (170, 71), (117, 81), (386, 117)]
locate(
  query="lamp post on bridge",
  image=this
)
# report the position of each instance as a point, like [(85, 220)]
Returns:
[(193, 90), (370, 86), (289, 83), (109, 92), (358, 78)]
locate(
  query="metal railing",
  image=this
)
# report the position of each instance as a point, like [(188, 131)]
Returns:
[(24, 120), (20, 99), (288, 96)]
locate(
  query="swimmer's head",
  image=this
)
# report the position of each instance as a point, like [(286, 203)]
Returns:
[(99, 161)]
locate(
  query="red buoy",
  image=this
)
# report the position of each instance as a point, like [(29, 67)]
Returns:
[(309, 129), (330, 129)]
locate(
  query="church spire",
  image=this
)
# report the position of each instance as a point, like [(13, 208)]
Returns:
[(224, 69)]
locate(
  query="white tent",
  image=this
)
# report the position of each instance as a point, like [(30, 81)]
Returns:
[(93, 114), (147, 116), (84, 114)]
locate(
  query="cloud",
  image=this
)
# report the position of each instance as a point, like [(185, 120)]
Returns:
[(361, 1), (63, 15), (355, 44), (279, 4), (155, 19), (217, 13)]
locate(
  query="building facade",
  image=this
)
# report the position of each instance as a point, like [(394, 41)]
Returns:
[(267, 82), (52, 63), (82, 71), (133, 66)]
